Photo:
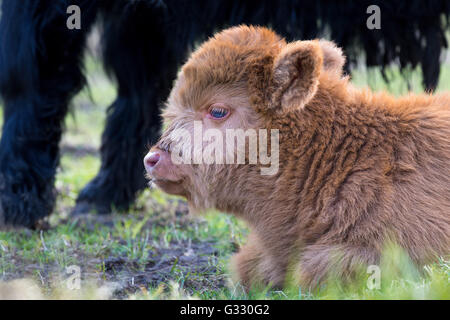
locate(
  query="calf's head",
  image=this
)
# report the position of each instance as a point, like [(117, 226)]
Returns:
[(221, 134)]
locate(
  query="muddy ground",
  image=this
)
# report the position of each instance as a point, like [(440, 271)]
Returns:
[(192, 264)]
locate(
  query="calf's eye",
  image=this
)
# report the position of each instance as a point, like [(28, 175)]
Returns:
[(218, 111)]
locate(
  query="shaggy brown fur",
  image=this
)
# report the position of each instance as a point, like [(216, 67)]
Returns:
[(357, 169)]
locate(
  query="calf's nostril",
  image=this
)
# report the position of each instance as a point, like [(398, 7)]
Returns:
[(152, 159)]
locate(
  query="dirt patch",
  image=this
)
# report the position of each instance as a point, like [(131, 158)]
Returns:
[(192, 264)]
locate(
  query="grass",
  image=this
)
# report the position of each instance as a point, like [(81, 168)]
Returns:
[(157, 251)]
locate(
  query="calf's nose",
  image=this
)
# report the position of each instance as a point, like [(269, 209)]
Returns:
[(151, 159)]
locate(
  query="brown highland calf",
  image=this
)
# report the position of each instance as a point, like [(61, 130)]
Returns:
[(357, 169)]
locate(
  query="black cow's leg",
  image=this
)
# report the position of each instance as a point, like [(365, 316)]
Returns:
[(430, 61), (137, 52), (39, 73)]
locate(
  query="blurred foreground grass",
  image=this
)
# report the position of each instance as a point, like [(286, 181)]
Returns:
[(115, 252)]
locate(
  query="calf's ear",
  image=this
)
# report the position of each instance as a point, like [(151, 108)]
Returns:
[(333, 57), (295, 75)]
